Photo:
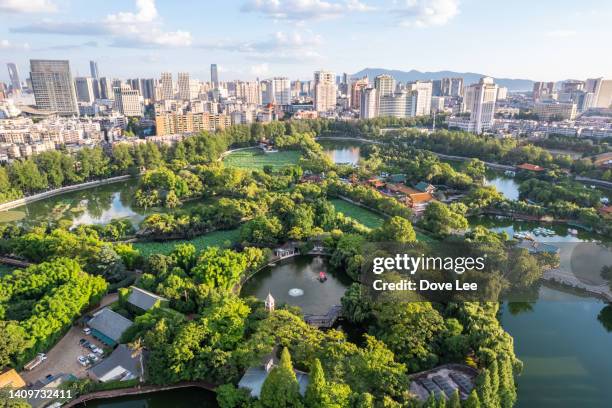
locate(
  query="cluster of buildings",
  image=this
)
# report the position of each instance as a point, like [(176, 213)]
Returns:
[(93, 109)]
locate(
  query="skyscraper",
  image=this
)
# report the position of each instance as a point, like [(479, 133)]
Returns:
[(128, 101), (183, 86), (356, 88), (167, 86), (452, 86), (282, 91), (602, 92), (483, 107), (421, 98), (368, 103), (106, 88), (214, 75), (93, 69), (248, 92), (53, 86), (385, 85), (543, 90), (14, 76), (84, 89), (325, 91)]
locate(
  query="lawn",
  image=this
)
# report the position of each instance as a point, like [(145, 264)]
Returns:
[(366, 217), (217, 238), (257, 159)]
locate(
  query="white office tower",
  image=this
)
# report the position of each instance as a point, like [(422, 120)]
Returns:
[(84, 89), (602, 92), (502, 93), (421, 97), (483, 106), (385, 85), (368, 104), (183, 86), (128, 101), (53, 86), (324, 91), (393, 105), (282, 91), (167, 87), (248, 92)]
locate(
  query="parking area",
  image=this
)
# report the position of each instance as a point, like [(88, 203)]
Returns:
[(63, 357)]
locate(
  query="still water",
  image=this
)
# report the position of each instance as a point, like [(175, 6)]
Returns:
[(178, 398), (342, 152), (301, 273), (564, 341)]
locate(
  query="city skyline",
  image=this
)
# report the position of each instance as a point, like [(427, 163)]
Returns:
[(296, 37)]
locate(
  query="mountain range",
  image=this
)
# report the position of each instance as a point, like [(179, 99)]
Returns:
[(468, 77)]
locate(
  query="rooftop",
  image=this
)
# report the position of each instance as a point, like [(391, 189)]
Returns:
[(530, 167), (120, 365), (109, 323), (11, 379), (143, 299)]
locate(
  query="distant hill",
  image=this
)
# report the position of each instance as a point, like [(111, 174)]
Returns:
[(468, 77)]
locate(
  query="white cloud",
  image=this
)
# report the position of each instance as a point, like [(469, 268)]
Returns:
[(6, 45), (260, 69), (140, 29), (426, 13), (299, 10), (27, 6), (561, 33)]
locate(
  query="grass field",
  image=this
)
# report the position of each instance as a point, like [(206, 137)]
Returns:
[(10, 216), (256, 159), (366, 217), (217, 238)]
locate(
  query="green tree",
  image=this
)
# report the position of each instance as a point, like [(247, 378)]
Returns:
[(228, 396), (397, 229), (473, 400), (364, 400), (316, 392), (280, 389), (455, 401)]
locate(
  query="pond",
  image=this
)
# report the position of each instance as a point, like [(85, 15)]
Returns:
[(564, 342), (98, 205), (178, 398), (342, 152), (504, 184), (300, 276)]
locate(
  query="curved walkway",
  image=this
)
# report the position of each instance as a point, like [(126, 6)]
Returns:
[(51, 193), (140, 389)]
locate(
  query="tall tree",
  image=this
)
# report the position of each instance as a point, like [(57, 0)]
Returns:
[(316, 393), (281, 389)]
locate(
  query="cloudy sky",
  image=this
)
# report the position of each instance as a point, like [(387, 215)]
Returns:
[(540, 40)]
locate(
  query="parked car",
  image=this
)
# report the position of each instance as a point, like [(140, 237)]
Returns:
[(92, 357), (97, 350), (40, 357), (83, 361), (82, 341), (87, 331), (86, 344)]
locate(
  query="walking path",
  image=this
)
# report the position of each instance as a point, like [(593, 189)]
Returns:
[(51, 193), (140, 389), (568, 279)]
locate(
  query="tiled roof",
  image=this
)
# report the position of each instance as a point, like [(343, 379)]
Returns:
[(109, 323), (143, 299)]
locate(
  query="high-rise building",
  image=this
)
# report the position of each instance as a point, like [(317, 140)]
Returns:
[(502, 93), (483, 107), (148, 88), (385, 85), (106, 88), (601, 90), (167, 85), (356, 88), (53, 86), (183, 86), (555, 110), (393, 105), (248, 92), (421, 97), (214, 75), (128, 101), (93, 69), (282, 91), (84, 89), (267, 92), (325, 91), (14, 76), (368, 105), (452, 87), (543, 90), (436, 87)]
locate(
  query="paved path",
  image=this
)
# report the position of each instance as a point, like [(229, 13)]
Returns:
[(141, 389), (568, 279)]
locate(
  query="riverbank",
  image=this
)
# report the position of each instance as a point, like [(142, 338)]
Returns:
[(51, 193)]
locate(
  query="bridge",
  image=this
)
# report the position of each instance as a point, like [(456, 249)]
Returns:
[(325, 321)]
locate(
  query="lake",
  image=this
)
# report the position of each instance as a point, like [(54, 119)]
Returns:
[(565, 349), (191, 397), (504, 184), (302, 273), (342, 152)]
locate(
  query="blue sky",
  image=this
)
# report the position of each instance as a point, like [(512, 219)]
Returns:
[(540, 40)]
